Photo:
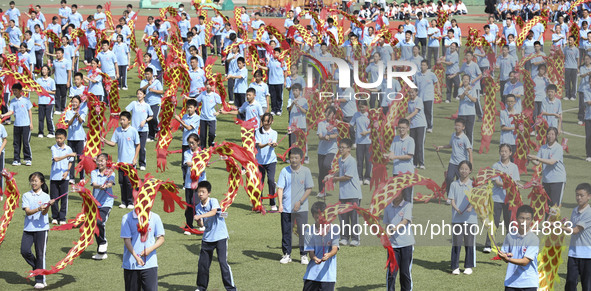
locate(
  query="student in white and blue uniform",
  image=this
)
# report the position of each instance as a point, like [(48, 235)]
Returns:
[(266, 142), (551, 155), (75, 118), (154, 91), (141, 114), (108, 60), (552, 106), (36, 204), (140, 264), (418, 127), (208, 116), (127, 140), (349, 191), (240, 77), (468, 95), (190, 124), (3, 136), (189, 184), (571, 63), (579, 251), (398, 217), (434, 35), (294, 186), (251, 109), (508, 135), (401, 152), (62, 158), (95, 81), (506, 166), (262, 90), (425, 81), (208, 213), (14, 36), (100, 17), (327, 146), (102, 181), (461, 150), (361, 123), (473, 70), (522, 266), (20, 106), (121, 51), (452, 72), (197, 76), (46, 102), (277, 70), (322, 248), (463, 216)]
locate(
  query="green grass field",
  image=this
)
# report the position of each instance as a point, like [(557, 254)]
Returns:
[(255, 240)]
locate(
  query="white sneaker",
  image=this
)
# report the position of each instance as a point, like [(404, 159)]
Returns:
[(201, 228), (28, 163), (456, 271), (57, 112), (343, 242), (487, 250), (448, 202), (187, 232), (306, 161), (366, 182), (16, 163), (354, 145), (130, 206), (457, 98), (429, 130), (99, 257), (62, 222), (274, 208), (446, 101), (39, 286), (422, 167), (231, 102), (125, 88), (103, 248), (54, 221), (321, 195), (149, 140), (123, 206), (279, 113), (286, 259), (40, 136), (50, 135), (580, 123), (354, 243), (588, 159), (273, 113), (72, 181), (304, 260), (142, 168), (468, 271)]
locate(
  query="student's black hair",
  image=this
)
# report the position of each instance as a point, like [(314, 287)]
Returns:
[(486, 26), (193, 136), (232, 36), (78, 74), (525, 209), (467, 164), (99, 6), (277, 49), (426, 62), (330, 109), (318, 207), (74, 6), (192, 102), (42, 179), (362, 102), (460, 120), (240, 60), (104, 42), (120, 36), (296, 86), (251, 90), (12, 3), (193, 47), (585, 187), (119, 26), (77, 97), (201, 17), (148, 70), (61, 131), (140, 90), (54, 18), (24, 45), (104, 155), (17, 86), (403, 121), (537, 43), (408, 32), (131, 6), (265, 115), (48, 70), (206, 185), (190, 34), (296, 151), (504, 145), (551, 87), (554, 129), (347, 141), (125, 114)]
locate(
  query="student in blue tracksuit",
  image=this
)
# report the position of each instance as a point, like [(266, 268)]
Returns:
[(190, 123), (75, 118), (401, 154), (141, 114), (62, 158), (21, 106), (266, 142), (551, 156), (461, 150), (102, 180), (579, 251), (398, 217), (193, 141), (36, 204)]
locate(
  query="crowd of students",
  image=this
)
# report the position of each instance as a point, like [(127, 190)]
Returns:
[(420, 42)]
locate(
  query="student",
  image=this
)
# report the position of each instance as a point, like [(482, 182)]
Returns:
[(23, 124), (552, 108), (208, 213), (127, 140), (277, 71), (506, 64), (508, 136), (520, 252), (506, 166), (190, 123), (240, 77), (297, 107), (579, 251), (63, 75), (467, 108), (3, 136), (418, 125), (251, 109), (36, 204), (294, 186), (584, 88), (426, 80), (551, 157), (46, 102), (461, 150), (62, 158), (102, 180), (540, 84), (154, 90), (141, 114), (452, 71), (78, 88), (75, 117), (121, 51), (397, 218), (585, 94), (262, 89), (361, 123), (193, 149), (232, 68), (402, 153), (108, 61), (322, 248), (463, 217), (197, 76), (95, 81), (327, 147), (472, 69), (140, 264), (208, 116), (571, 61), (266, 142)]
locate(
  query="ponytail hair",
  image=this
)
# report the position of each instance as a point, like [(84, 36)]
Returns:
[(41, 178)]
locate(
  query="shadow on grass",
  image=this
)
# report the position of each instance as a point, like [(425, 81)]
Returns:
[(169, 286), (364, 287), (443, 266), (15, 278), (66, 279), (257, 255), (173, 227), (194, 248)]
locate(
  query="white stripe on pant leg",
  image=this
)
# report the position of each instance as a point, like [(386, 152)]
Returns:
[(423, 148), (474, 248), (30, 149), (44, 251), (410, 267), (229, 268), (561, 193)]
